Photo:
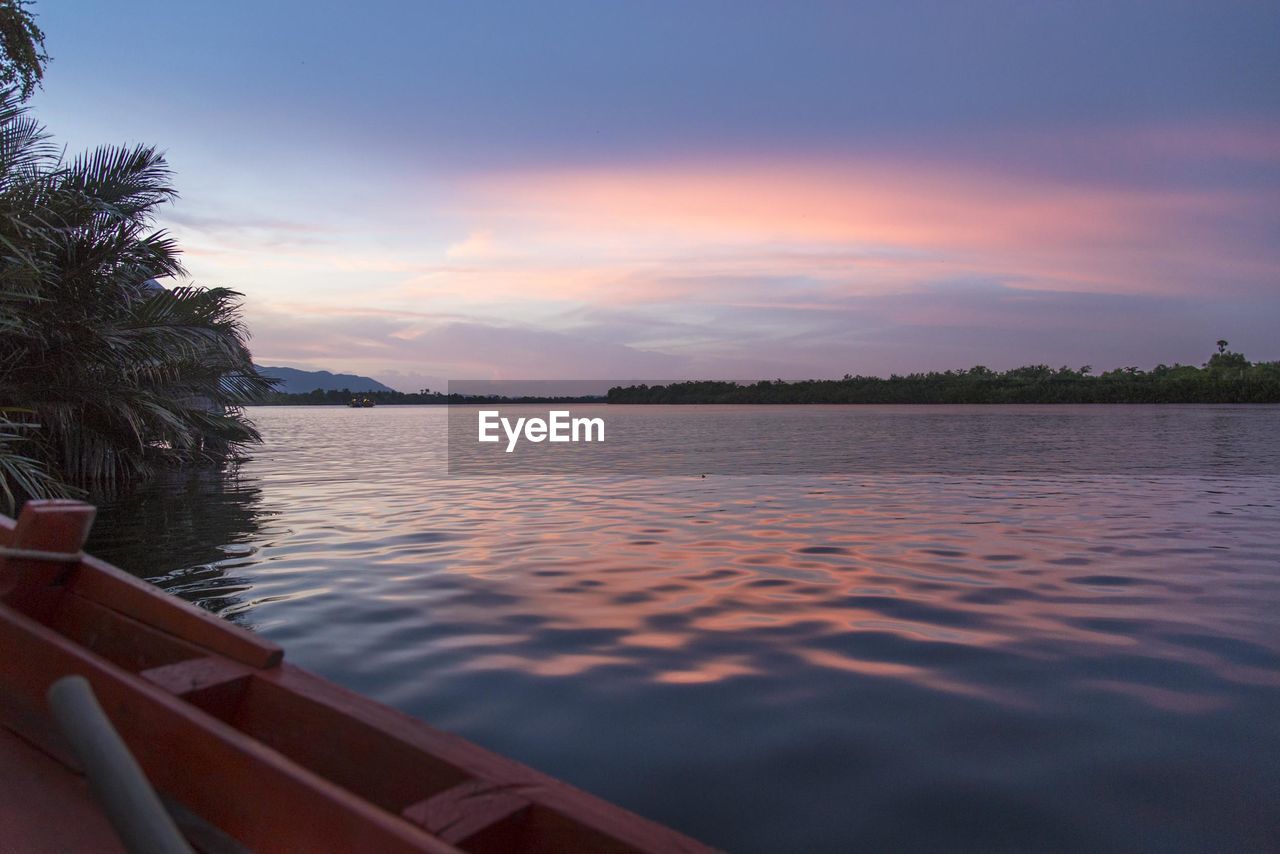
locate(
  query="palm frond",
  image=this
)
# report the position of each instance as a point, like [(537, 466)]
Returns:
[(23, 476), (122, 377), (123, 183)]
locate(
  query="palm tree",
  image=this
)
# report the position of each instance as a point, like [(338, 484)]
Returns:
[(104, 374)]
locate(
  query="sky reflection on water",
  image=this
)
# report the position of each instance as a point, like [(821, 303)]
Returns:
[(774, 663)]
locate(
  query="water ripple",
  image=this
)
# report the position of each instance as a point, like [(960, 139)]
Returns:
[(794, 663)]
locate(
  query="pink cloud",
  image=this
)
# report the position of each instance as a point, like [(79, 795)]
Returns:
[(794, 266), (871, 224)]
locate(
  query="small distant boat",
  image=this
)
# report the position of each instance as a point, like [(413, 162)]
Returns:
[(232, 748), (361, 403)]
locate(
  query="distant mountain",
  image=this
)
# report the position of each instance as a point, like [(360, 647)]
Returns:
[(295, 381)]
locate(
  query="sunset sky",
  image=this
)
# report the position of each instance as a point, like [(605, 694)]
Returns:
[(419, 191)]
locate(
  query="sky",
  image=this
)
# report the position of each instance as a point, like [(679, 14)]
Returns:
[(422, 191)]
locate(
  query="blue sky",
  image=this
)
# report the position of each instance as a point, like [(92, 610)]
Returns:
[(552, 190)]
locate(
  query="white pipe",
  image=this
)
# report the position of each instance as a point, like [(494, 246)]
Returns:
[(123, 790)]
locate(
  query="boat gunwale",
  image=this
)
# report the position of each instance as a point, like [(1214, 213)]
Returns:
[(252, 679)]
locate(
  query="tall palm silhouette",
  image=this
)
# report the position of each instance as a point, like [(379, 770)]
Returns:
[(105, 374)]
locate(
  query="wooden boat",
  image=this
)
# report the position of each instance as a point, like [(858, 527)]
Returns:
[(246, 751)]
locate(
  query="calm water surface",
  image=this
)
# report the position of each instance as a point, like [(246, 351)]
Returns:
[(796, 663)]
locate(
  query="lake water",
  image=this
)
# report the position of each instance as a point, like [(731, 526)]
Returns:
[(805, 662)]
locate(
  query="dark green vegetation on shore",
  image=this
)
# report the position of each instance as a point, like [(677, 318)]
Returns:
[(1226, 378), (105, 375), (330, 397)]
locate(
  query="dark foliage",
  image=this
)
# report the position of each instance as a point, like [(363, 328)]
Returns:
[(1226, 378), (104, 374), (22, 56)]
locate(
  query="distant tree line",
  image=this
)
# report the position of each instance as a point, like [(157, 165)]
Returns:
[(343, 397), (1226, 378)]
